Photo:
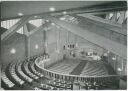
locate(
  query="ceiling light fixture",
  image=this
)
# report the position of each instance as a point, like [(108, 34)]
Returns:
[(13, 51), (47, 20), (113, 58), (108, 52), (105, 54), (58, 26), (119, 69), (53, 24), (36, 46), (20, 14), (62, 18), (52, 9), (76, 44), (64, 12), (35, 16)]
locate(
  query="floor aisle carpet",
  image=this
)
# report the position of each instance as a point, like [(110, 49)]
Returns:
[(78, 69)]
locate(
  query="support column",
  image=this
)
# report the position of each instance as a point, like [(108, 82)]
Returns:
[(27, 42), (115, 66), (67, 38), (58, 40), (76, 44), (44, 41), (58, 46), (109, 57), (67, 43)]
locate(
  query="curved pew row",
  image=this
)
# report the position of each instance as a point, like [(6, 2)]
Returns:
[(14, 76), (33, 58), (32, 68), (59, 83), (33, 84), (41, 86), (22, 74), (6, 83), (27, 71)]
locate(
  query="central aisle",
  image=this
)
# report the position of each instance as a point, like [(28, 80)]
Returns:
[(79, 68)]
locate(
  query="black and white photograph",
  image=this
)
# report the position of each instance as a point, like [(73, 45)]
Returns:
[(63, 45)]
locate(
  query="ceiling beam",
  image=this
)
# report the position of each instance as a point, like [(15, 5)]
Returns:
[(30, 29), (39, 28), (34, 30), (98, 19), (25, 29), (116, 48), (113, 6), (105, 23), (90, 10), (15, 27), (30, 26)]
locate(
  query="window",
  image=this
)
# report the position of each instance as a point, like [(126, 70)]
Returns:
[(36, 22), (36, 46), (9, 23), (20, 30)]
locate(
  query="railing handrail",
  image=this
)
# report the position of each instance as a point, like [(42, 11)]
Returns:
[(36, 63)]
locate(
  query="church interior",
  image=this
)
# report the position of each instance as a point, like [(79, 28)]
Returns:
[(63, 45)]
